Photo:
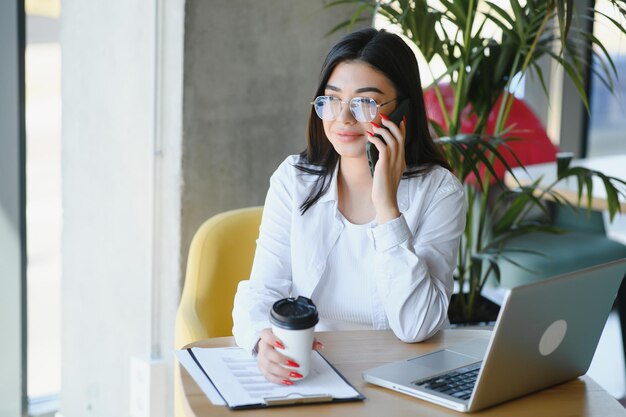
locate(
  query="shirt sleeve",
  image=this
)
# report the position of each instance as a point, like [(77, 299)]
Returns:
[(270, 278), (414, 270)]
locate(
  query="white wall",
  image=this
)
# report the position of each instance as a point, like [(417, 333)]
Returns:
[(121, 158)]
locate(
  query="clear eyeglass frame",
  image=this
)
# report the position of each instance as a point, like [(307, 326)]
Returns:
[(364, 109)]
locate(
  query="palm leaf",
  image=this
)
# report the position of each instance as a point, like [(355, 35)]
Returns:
[(574, 75), (537, 70), (615, 23), (502, 13), (499, 241), (565, 12), (439, 130)]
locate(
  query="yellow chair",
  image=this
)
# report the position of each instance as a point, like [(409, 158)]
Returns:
[(220, 256)]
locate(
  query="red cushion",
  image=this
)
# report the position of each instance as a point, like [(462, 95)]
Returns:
[(532, 146)]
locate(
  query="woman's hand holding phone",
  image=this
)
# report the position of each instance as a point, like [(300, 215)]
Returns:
[(390, 166)]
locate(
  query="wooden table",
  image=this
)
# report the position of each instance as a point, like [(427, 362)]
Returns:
[(355, 351)]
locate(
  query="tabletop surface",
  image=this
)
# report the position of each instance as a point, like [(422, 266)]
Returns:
[(352, 352)]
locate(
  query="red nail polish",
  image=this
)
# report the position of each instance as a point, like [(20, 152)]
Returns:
[(404, 120), (279, 345), (292, 364), (369, 133), (375, 124), (295, 375), (382, 116), (287, 382)]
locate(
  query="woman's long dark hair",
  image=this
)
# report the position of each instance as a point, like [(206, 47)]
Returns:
[(390, 55)]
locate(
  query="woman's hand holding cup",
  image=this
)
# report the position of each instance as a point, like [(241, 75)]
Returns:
[(284, 351), (272, 363)]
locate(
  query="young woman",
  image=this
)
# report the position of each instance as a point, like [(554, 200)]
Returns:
[(371, 252)]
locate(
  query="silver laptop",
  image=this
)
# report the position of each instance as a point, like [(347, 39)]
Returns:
[(546, 333)]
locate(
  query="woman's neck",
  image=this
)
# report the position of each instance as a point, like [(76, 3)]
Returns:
[(355, 174), (354, 183)]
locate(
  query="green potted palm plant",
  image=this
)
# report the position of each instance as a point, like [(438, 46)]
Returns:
[(481, 69)]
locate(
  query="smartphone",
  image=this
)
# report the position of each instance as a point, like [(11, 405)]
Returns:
[(396, 117)]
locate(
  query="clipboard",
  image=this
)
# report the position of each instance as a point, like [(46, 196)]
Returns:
[(229, 376)]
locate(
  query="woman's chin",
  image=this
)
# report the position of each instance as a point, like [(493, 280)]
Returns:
[(352, 152), (353, 149)]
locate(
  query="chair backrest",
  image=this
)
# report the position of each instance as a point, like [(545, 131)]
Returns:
[(220, 255)]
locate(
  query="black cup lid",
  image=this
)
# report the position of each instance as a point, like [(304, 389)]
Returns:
[(294, 313)]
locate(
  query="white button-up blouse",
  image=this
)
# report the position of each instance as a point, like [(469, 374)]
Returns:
[(415, 254)]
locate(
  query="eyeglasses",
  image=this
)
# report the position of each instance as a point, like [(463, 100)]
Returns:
[(364, 109)]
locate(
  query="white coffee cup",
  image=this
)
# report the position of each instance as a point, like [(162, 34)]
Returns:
[(293, 322)]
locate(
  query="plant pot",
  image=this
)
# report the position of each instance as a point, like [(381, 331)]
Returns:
[(485, 312)]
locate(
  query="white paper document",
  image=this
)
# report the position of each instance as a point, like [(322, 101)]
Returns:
[(197, 374), (230, 376)]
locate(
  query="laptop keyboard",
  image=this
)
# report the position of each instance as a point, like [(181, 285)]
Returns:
[(458, 383)]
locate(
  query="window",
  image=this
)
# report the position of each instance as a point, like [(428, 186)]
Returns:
[(43, 204), (607, 122)]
